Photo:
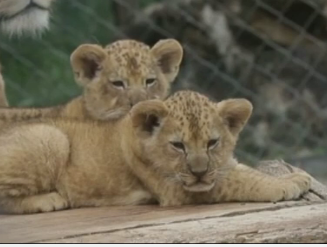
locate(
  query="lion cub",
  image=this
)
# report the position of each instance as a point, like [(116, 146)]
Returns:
[(114, 79), (175, 152)]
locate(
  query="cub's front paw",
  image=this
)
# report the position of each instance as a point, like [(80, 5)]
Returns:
[(294, 185), (49, 202)]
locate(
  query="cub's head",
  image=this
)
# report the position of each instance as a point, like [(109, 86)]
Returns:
[(125, 72), (188, 138), (19, 16)]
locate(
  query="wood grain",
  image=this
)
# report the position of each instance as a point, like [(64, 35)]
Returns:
[(251, 222)]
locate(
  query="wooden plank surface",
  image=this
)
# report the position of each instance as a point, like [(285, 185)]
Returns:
[(207, 223)]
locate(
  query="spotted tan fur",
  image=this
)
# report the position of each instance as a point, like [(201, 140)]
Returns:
[(113, 78), (175, 152)]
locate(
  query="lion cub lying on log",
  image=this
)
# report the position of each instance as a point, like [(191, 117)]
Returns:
[(175, 152), (113, 80)]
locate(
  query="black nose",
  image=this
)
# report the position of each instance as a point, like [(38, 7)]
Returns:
[(199, 174)]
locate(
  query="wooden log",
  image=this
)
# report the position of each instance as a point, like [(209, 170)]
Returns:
[(250, 222)]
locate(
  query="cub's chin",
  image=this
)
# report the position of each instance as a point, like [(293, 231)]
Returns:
[(199, 187), (31, 21), (114, 114)]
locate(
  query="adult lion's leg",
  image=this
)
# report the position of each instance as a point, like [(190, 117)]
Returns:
[(33, 157), (3, 96)]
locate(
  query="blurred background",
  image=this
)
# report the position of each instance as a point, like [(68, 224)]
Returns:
[(272, 52)]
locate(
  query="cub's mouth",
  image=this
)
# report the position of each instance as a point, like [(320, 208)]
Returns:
[(199, 187), (198, 182)]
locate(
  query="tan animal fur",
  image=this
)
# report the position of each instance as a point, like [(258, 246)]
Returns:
[(3, 97), (113, 78), (24, 16), (175, 152)]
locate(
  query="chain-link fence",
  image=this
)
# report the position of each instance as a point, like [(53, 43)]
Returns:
[(269, 51)]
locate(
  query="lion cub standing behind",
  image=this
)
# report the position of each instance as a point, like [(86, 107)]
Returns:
[(114, 78), (175, 152)]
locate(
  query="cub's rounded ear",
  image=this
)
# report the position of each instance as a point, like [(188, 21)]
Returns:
[(235, 113), (86, 61), (169, 55), (148, 115)]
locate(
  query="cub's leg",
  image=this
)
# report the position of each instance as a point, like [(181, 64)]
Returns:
[(3, 97), (277, 168), (32, 159), (244, 183)]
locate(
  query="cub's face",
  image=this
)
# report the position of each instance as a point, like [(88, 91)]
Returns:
[(19, 16), (188, 138), (124, 73)]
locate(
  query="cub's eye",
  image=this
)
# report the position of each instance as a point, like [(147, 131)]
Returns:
[(119, 84), (212, 143), (150, 82), (178, 145)]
